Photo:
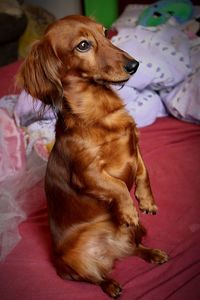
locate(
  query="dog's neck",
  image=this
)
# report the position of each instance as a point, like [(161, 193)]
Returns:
[(92, 103)]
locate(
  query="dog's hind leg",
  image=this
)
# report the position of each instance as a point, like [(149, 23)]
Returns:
[(89, 256), (80, 269), (155, 256), (111, 288)]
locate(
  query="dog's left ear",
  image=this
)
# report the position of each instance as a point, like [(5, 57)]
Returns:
[(40, 74)]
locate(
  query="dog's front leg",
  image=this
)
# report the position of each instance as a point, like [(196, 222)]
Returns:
[(108, 188), (143, 190)]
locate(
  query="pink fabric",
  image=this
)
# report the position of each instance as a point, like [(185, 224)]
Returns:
[(12, 150), (171, 151)]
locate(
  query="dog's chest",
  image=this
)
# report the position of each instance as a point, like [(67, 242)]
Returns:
[(117, 157)]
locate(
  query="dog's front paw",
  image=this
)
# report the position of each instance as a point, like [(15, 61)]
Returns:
[(128, 216), (148, 208)]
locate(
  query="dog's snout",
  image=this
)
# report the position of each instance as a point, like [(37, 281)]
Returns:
[(132, 66)]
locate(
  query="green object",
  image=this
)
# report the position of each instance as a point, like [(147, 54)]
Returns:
[(161, 11), (103, 11)]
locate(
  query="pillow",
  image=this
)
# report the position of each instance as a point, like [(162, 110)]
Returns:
[(169, 66)]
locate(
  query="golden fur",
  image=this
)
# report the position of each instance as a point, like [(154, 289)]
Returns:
[(96, 157)]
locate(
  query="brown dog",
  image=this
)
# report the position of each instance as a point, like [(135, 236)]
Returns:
[(96, 157)]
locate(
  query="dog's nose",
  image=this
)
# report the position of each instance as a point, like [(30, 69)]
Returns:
[(132, 66)]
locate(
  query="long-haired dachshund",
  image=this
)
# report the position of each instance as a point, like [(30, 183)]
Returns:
[(96, 157)]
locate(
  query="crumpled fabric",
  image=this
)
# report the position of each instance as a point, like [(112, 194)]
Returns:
[(12, 150), (23, 160)]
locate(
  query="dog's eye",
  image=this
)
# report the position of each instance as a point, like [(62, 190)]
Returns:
[(83, 46)]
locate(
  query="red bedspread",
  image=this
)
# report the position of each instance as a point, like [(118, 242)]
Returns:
[(171, 150), (7, 79)]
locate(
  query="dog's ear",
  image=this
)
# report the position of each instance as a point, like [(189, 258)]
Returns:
[(40, 74)]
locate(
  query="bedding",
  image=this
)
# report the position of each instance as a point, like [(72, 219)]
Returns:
[(170, 148), (168, 71), (25, 142)]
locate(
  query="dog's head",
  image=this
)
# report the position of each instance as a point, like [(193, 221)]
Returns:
[(73, 46)]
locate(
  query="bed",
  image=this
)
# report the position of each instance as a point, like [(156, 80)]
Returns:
[(170, 145)]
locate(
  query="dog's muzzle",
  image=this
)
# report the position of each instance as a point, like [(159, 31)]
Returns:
[(131, 67)]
